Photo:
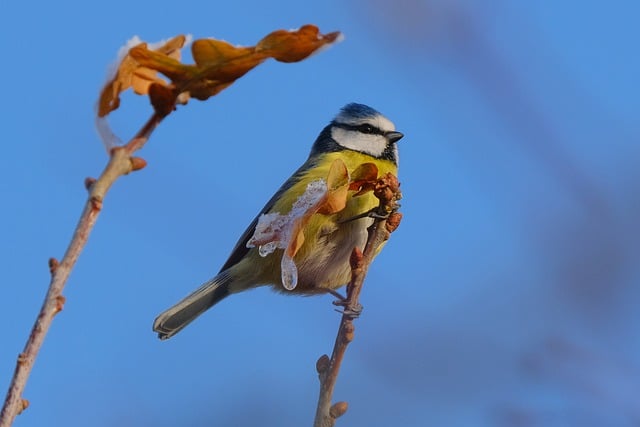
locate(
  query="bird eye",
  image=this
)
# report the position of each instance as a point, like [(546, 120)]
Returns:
[(366, 128)]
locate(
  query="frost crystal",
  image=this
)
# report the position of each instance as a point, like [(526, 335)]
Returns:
[(312, 195), (267, 248), (275, 231), (289, 273)]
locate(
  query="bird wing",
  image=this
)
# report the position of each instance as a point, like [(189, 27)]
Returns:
[(241, 249)]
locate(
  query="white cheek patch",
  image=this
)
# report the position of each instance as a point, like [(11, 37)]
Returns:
[(371, 144)]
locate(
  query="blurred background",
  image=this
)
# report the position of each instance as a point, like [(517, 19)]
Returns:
[(508, 297)]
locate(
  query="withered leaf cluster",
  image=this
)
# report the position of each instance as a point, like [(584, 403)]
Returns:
[(217, 65)]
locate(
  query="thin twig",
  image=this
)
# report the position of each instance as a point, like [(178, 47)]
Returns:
[(120, 163), (328, 368)]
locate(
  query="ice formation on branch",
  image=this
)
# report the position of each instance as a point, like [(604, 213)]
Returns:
[(278, 231)]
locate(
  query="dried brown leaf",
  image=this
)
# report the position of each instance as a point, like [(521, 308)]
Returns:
[(130, 74), (337, 189), (218, 63), (364, 178)]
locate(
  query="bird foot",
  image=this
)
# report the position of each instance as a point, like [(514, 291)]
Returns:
[(347, 308), (353, 312)]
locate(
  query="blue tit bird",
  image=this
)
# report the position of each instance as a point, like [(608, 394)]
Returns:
[(357, 135)]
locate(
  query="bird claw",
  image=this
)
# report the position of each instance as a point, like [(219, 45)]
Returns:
[(348, 309), (375, 214), (372, 213), (351, 312)]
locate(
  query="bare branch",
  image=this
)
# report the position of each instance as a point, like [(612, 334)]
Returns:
[(218, 65), (385, 222), (120, 163)]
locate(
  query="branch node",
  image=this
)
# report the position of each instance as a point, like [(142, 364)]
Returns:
[(53, 265), (88, 183), (22, 359), (349, 332), (323, 364), (137, 163), (96, 203), (60, 300), (338, 409)]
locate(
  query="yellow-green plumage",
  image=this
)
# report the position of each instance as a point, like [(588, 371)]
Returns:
[(322, 233), (357, 135)]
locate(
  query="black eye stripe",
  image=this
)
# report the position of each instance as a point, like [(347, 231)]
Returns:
[(363, 128)]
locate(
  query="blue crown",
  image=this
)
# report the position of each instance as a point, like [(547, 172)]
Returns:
[(358, 111)]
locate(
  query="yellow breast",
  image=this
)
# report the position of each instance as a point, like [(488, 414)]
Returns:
[(323, 258)]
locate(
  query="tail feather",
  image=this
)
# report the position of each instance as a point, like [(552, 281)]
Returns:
[(171, 321)]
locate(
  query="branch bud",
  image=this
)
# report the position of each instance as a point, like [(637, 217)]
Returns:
[(137, 163), (22, 359), (24, 404), (88, 183), (338, 409), (60, 300), (53, 265), (393, 221), (323, 364)]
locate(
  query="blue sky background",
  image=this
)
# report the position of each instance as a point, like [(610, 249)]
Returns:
[(508, 297)]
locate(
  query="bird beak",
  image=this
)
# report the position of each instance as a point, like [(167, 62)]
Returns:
[(393, 136)]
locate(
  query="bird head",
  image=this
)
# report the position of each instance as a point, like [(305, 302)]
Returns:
[(358, 127)]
